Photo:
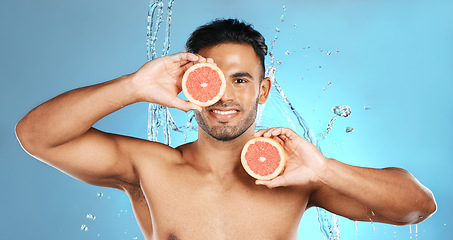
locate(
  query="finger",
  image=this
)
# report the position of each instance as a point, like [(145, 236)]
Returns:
[(273, 132), (183, 57), (279, 140), (200, 59), (210, 60), (260, 132), (183, 105), (187, 66), (276, 182)]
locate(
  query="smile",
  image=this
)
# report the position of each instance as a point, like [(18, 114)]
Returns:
[(225, 112), (223, 115)]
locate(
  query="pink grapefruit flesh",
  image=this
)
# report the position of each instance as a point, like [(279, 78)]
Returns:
[(263, 158), (203, 84)]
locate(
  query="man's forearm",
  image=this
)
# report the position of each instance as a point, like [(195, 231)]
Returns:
[(71, 114), (392, 192)]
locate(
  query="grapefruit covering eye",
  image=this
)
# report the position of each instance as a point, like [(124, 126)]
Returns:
[(203, 84), (263, 158)]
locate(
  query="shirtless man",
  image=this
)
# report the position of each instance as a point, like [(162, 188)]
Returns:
[(199, 190)]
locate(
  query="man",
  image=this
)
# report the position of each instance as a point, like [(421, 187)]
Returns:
[(199, 190)]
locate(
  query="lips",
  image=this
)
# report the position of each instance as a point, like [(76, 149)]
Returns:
[(223, 114)]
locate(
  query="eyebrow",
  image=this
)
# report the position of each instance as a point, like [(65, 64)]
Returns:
[(241, 74)]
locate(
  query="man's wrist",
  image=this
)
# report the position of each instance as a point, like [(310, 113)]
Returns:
[(325, 170), (132, 89)]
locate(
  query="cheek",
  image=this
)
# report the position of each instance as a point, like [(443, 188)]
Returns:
[(249, 95)]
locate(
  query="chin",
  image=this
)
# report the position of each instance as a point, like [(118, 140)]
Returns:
[(223, 134)]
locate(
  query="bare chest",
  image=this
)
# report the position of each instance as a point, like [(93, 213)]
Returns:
[(190, 207)]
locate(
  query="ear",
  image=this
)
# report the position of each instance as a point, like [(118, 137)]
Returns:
[(265, 88)]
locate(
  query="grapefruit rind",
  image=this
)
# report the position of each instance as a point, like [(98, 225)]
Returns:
[(212, 100), (277, 171)]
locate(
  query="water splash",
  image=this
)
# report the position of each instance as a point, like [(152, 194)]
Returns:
[(349, 129), (279, 112), (328, 224), (158, 116), (91, 216), (84, 228), (339, 111)]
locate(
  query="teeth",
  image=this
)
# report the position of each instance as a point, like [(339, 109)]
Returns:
[(224, 112)]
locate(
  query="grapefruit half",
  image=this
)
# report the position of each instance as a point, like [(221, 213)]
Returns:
[(263, 158), (203, 84)]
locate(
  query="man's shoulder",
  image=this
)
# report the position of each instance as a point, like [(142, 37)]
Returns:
[(142, 151)]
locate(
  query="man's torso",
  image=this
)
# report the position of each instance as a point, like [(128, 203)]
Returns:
[(177, 201)]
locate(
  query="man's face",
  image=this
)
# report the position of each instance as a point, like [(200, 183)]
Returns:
[(235, 112)]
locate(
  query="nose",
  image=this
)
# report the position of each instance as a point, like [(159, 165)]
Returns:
[(229, 93)]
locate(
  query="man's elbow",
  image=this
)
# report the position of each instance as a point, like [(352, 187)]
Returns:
[(426, 207), (23, 135), (429, 207)]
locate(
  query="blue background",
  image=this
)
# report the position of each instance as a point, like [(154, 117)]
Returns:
[(393, 56)]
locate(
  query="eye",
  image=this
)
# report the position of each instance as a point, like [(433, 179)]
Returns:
[(240, 80)]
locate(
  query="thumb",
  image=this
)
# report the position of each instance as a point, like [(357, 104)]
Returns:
[(276, 182), (183, 105)]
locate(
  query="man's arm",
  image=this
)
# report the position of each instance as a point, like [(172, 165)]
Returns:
[(390, 195), (59, 132)]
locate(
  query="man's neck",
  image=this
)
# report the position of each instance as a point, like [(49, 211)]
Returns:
[(220, 158)]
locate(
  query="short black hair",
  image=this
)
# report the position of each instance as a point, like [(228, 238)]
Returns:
[(227, 31)]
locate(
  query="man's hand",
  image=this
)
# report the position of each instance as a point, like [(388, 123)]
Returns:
[(159, 80), (304, 161)]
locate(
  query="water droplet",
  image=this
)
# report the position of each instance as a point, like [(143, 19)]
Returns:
[(284, 8), (366, 107), (328, 53), (329, 83), (84, 228), (282, 18), (100, 194), (295, 25), (279, 62), (287, 53), (338, 50), (320, 49), (319, 67), (349, 129), (90, 216), (342, 111), (277, 29)]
